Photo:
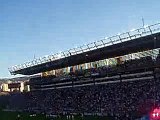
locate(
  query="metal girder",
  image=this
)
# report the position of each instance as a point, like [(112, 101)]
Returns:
[(137, 33)]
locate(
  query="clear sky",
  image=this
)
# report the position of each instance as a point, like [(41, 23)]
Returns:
[(43, 27)]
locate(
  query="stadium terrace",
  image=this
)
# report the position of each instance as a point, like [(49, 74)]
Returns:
[(117, 78)]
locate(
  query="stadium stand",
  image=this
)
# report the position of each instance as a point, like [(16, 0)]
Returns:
[(125, 90)]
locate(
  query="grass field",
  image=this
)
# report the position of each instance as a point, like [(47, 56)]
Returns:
[(25, 116), (22, 116)]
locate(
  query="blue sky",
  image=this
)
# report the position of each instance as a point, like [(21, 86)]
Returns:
[(43, 27)]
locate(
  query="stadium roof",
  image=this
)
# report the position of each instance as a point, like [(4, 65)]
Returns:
[(145, 38)]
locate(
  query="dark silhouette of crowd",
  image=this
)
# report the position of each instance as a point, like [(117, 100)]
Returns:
[(122, 99), (117, 99)]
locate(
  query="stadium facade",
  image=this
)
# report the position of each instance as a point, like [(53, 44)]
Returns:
[(117, 76)]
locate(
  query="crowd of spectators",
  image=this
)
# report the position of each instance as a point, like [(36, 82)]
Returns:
[(128, 99)]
